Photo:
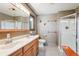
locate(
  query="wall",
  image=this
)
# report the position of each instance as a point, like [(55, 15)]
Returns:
[(47, 28), (43, 19)]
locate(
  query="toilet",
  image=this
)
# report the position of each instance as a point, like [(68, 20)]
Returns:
[(42, 42)]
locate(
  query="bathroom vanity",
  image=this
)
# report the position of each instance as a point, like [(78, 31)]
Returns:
[(30, 49), (24, 46)]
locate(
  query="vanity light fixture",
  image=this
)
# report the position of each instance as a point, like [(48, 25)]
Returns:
[(20, 6)]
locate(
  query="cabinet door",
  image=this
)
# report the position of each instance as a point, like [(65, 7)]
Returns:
[(35, 47), (31, 49), (27, 47), (29, 52)]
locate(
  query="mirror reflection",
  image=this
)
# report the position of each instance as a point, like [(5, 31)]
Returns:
[(13, 17)]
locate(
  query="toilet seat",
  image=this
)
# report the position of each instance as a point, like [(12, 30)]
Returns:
[(42, 42)]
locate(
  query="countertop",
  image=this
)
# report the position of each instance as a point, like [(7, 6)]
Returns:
[(8, 49)]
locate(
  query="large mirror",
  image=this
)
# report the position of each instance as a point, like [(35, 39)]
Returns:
[(13, 16)]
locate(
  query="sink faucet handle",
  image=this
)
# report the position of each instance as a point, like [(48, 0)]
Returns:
[(8, 35)]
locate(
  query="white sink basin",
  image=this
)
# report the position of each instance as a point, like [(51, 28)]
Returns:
[(14, 43), (7, 46)]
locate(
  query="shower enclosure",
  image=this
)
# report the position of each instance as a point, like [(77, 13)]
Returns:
[(68, 32)]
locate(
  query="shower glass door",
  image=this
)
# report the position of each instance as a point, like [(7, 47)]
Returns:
[(68, 32)]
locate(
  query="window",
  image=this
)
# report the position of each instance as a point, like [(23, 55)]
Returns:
[(31, 22), (7, 25), (19, 25), (23, 25)]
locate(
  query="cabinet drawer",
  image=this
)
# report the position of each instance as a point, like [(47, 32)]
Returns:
[(17, 53)]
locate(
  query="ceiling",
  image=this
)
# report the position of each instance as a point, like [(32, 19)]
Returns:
[(50, 8), (6, 8)]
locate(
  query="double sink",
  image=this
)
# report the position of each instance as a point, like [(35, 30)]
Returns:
[(15, 41)]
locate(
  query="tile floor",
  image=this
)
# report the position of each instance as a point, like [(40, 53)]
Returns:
[(50, 50)]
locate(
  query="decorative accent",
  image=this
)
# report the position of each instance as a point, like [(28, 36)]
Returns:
[(66, 27), (44, 24)]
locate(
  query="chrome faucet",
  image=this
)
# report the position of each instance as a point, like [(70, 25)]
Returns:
[(8, 40)]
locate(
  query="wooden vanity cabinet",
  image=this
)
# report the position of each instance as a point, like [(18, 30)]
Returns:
[(17, 53), (29, 52), (31, 49), (35, 47)]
